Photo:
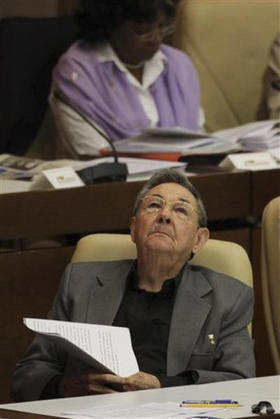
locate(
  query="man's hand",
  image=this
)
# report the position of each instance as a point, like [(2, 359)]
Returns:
[(140, 381), (94, 383), (90, 383)]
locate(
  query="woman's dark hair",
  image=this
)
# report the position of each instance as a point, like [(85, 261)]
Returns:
[(98, 18)]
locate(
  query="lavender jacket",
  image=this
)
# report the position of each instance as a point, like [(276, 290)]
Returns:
[(103, 92)]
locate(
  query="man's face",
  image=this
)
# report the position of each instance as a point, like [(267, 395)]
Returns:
[(167, 222)]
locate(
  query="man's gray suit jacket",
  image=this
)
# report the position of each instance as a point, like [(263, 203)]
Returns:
[(208, 330)]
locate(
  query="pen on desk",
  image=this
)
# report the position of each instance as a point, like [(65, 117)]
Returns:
[(205, 417), (222, 401), (215, 405)]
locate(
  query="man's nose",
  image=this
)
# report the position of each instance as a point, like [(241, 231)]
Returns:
[(165, 214)]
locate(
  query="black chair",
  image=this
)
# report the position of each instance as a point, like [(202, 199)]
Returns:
[(29, 49)]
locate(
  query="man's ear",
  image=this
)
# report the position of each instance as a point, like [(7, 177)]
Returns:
[(132, 228), (201, 238)]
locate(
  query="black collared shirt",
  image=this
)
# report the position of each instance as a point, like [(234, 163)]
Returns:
[(148, 317)]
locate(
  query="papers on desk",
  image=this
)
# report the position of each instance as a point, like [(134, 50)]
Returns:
[(138, 169), (275, 153), (175, 132), (165, 410), (162, 140), (255, 136), (12, 186), (40, 171), (22, 167), (107, 349)]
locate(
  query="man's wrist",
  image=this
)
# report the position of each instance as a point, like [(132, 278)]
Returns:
[(186, 378)]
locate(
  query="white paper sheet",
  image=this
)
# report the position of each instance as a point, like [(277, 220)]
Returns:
[(255, 136), (167, 410), (105, 348), (135, 166), (11, 186), (157, 144)]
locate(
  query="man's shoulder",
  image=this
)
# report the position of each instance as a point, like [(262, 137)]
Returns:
[(85, 276), (218, 280), (100, 266)]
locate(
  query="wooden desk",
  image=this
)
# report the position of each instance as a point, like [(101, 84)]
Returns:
[(29, 277), (11, 414), (107, 207)]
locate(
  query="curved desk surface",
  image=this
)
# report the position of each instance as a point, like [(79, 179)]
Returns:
[(247, 392)]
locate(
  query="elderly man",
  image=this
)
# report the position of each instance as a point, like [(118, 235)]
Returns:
[(188, 324)]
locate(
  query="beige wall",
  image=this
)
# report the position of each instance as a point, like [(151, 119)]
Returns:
[(36, 8)]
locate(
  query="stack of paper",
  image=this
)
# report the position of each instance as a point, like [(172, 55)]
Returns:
[(22, 167), (107, 349), (12, 186), (166, 140), (153, 410), (138, 168), (255, 136)]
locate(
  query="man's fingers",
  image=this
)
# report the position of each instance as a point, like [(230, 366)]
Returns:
[(98, 388), (140, 381), (106, 383), (90, 383)]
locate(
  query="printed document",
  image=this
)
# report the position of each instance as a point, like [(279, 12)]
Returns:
[(163, 410), (107, 349), (146, 143), (254, 136)]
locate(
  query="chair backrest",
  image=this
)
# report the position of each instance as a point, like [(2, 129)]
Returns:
[(229, 43), (270, 268), (222, 256)]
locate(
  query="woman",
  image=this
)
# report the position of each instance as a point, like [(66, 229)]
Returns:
[(121, 76), (269, 107)]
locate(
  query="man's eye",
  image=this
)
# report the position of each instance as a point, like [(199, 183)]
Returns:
[(154, 204), (181, 210)]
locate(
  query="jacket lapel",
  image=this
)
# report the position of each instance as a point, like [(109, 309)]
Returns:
[(107, 293), (189, 314)]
